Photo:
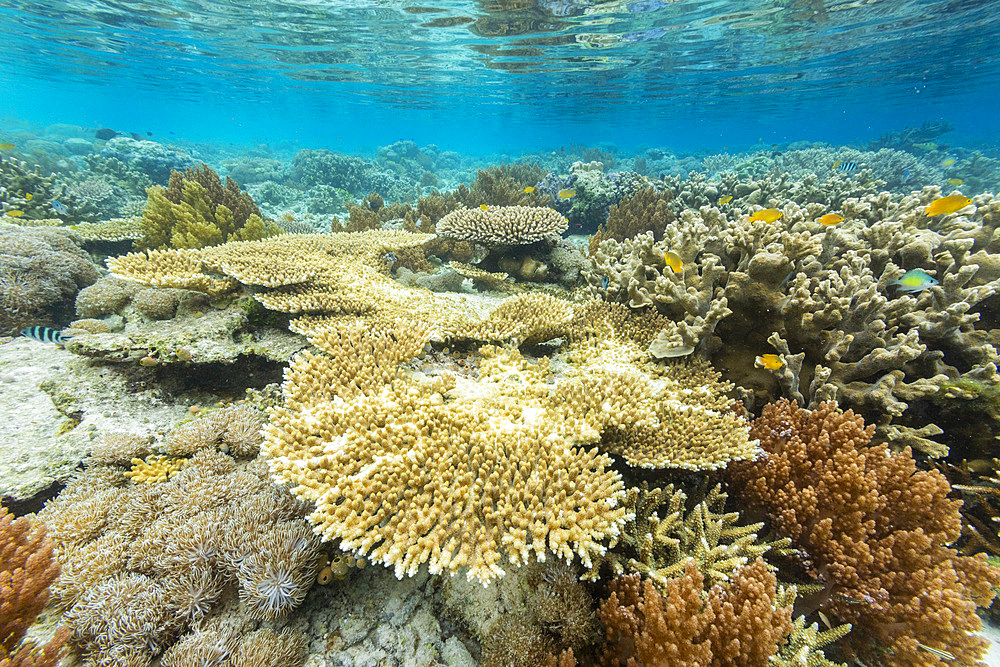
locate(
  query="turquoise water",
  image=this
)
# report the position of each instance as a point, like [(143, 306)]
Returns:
[(479, 77), (602, 256)]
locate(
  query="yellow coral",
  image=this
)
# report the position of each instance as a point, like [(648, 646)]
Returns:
[(155, 468), (503, 225)]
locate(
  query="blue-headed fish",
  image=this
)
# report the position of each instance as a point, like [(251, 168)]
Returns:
[(45, 335), (59, 207), (914, 280)]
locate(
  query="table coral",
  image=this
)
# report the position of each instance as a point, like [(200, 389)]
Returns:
[(502, 225), (875, 530)]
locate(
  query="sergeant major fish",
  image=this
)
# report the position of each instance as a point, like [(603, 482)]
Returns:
[(45, 335)]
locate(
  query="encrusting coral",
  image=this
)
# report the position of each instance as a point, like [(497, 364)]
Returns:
[(874, 529), (142, 562), (27, 568), (195, 210)]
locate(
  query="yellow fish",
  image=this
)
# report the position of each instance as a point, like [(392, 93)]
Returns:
[(835, 164), (28, 196), (947, 163), (674, 261), (484, 207), (529, 189), (6, 146), (830, 219), (566, 194), (771, 362), (725, 200), (955, 181), (15, 214), (767, 215), (948, 204)]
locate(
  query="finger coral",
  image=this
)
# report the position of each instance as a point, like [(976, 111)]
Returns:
[(742, 623), (27, 568), (875, 529)]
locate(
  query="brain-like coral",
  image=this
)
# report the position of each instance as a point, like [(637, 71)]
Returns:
[(41, 271)]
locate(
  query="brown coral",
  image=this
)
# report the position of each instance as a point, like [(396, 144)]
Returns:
[(740, 624), (27, 568), (646, 210), (875, 528)]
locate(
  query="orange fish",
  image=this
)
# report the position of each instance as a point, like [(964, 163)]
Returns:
[(767, 215), (830, 219), (948, 205)]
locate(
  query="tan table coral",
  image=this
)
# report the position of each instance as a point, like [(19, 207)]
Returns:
[(502, 225)]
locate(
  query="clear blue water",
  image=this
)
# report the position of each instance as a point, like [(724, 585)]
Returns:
[(480, 77)]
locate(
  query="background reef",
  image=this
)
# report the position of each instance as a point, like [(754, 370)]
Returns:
[(577, 407)]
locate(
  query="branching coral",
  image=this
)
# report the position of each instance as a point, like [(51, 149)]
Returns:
[(659, 547), (824, 298), (195, 210), (875, 529), (742, 623), (27, 568), (646, 210)]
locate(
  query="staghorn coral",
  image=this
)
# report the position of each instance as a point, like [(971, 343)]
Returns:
[(875, 530), (502, 225), (659, 548), (41, 271), (27, 568), (24, 188), (142, 562), (505, 185), (195, 210)]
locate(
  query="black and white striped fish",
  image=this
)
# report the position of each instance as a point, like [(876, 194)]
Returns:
[(848, 167), (45, 335)]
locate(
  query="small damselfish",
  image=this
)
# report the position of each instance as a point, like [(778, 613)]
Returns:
[(45, 335)]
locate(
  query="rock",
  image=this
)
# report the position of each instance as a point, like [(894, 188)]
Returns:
[(78, 146)]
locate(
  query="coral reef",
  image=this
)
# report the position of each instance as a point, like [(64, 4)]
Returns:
[(41, 270), (28, 194), (27, 569), (131, 159), (143, 560), (874, 529), (195, 210), (323, 167), (824, 299), (595, 192)]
